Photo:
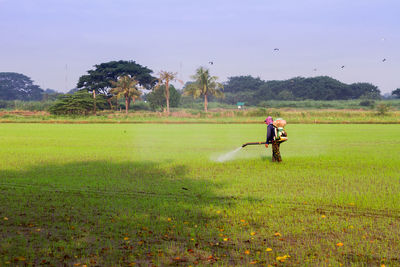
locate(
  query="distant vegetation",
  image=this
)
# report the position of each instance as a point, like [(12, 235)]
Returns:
[(15, 86), (101, 83), (157, 100), (396, 93), (254, 90)]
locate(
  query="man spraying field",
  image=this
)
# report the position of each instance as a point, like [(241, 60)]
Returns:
[(275, 136)]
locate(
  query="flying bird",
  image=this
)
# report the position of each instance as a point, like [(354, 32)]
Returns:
[(342, 67), (211, 62), (276, 49), (383, 60)]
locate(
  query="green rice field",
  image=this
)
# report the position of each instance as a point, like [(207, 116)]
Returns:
[(156, 195)]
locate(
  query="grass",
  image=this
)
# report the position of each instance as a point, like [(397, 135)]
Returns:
[(151, 194), (188, 103), (214, 116)]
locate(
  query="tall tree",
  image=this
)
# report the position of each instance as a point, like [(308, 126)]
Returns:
[(165, 78), (126, 86), (16, 86), (204, 85), (396, 93), (239, 84), (99, 79)]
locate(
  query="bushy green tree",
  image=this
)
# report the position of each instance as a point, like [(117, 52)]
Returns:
[(367, 103), (157, 98), (396, 93), (79, 103), (99, 79), (239, 84), (364, 91), (16, 86), (382, 109)]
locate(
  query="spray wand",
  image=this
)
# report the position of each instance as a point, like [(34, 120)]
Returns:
[(254, 143)]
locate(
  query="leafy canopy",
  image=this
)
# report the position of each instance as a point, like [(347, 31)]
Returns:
[(16, 86), (100, 78), (396, 93)]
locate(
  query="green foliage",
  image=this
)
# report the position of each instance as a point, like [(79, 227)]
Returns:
[(16, 86), (396, 93), (3, 104), (367, 103), (259, 112), (26, 105), (141, 105), (253, 90), (286, 95), (126, 87), (319, 104), (79, 103), (157, 98), (370, 96), (239, 84), (382, 109), (100, 78), (204, 85), (165, 78), (33, 105)]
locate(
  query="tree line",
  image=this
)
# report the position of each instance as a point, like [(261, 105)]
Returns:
[(107, 83), (254, 90)]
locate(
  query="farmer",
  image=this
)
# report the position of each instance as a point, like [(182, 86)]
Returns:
[(275, 136)]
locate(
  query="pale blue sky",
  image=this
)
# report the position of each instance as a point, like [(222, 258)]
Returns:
[(39, 38)]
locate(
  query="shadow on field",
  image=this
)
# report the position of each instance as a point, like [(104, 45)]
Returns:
[(103, 213)]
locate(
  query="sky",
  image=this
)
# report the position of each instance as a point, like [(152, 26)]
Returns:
[(56, 41)]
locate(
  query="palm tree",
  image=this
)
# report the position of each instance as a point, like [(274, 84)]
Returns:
[(204, 85), (164, 79), (126, 86)]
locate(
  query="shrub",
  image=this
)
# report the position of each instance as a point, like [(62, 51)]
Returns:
[(157, 98), (383, 109), (140, 105), (257, 112), (3, 104), (79, 103), (367, 103)]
